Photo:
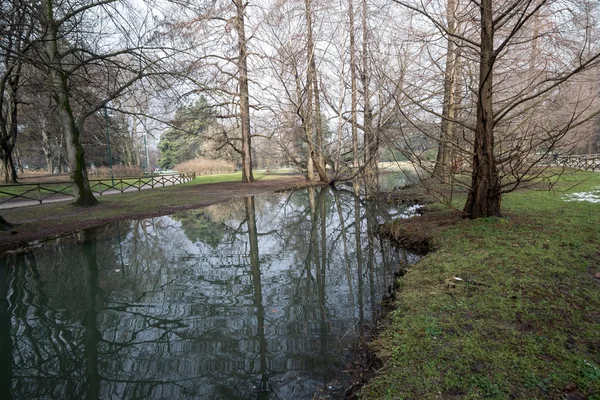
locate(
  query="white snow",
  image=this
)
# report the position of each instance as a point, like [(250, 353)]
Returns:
[(592, 196)]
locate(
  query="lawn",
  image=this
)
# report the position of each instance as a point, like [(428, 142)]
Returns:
[(523, 318)]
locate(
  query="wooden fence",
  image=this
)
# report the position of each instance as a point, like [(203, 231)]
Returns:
[(63, 190), (587, 162)]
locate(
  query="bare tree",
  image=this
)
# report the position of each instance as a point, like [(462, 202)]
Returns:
[(85, 44), (371, 137), (246, 151), (444, 155), (16, 27), (354, 89), (215, 52), (508, 133), (314, 126)]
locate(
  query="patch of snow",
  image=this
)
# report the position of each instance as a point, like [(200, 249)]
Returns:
[(592, 197), (411, 211)]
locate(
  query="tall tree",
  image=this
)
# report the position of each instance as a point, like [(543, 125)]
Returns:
[(313, 118), (58, 77), (444, 154), (354, 89), (242, 64), (371, 137), (484, 198)]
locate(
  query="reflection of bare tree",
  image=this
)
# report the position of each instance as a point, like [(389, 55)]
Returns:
[(342, 219), (273, 303), (264, 386), (359, 256), (42, 338), (6, 347), (92, 335), (317, 256)]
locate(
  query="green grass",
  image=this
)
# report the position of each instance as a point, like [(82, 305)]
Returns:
[(12, 191), (525, 320), (106, 184), (235, 177)]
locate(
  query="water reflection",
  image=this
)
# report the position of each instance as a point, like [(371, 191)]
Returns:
[(257, 298)]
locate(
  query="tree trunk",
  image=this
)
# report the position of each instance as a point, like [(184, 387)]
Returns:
[(8, 167), (310, 173), (371, 142), (136, 145), (340, 127), (4, 224), (9, 128), (82, 193), (484, 197), (313, 117), (354, 100), (444, 156), (19, 163), (321, 168), (247, 175)]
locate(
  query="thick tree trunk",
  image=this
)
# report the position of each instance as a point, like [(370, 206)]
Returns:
[(9, 128), (82, 193), (8, 166), (444, 156), (247, 175), (484, 197)]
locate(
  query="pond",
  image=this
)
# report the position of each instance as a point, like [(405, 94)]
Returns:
[(256, 298)]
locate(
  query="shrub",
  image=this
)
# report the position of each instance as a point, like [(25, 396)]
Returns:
[(119, 171), (205, 166)]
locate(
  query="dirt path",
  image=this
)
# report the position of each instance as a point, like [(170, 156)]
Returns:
[(52, 220)]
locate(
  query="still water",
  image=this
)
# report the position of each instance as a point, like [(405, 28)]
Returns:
[(256, 298)]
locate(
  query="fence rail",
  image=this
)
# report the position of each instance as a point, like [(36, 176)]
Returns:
[(41, 192)]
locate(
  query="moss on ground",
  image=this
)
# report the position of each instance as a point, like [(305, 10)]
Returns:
[(522, 322)]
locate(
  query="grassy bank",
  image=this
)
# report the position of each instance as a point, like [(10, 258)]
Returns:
[(524, 320)]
